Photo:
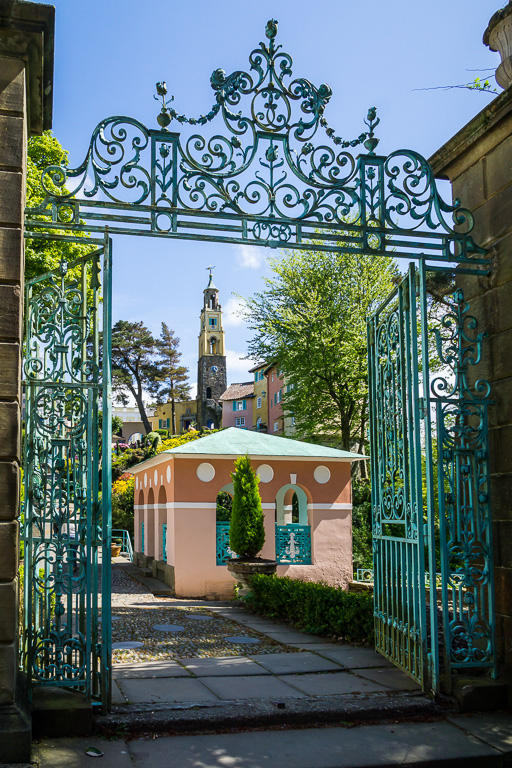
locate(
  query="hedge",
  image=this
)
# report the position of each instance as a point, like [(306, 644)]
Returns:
[(314, 607)]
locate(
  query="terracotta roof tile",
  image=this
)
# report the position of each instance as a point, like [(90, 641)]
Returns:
[(238, 391)]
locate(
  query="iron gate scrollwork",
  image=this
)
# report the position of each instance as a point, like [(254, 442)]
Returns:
[(432, 538), (263, 178), (67, 526)]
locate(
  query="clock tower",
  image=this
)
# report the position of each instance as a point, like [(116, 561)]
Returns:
[(211, 369)]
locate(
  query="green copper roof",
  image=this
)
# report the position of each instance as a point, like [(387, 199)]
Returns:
[(238, 442), (211, 285)]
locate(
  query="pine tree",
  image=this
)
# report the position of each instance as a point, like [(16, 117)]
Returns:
[(246, 530), (133, 367), (173, 376)]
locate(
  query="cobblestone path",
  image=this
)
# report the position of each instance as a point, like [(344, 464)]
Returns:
[(149, 628)]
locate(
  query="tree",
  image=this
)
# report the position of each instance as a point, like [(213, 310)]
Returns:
[(173, 376), (133, 365), (311, 319), (43, 255), (246, 529)]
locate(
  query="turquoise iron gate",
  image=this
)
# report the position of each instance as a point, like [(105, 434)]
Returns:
[(67, 526), (263, 167), (432, 540)]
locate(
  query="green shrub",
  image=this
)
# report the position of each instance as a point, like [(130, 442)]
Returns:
[(314, 607), (246, 530)]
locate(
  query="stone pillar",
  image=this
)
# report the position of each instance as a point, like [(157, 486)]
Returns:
[(26, 73), (478, 162)]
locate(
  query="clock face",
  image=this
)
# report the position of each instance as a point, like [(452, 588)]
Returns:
[(214, 368)]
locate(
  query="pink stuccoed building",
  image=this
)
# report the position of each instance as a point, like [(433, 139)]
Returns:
[(237, 406), (178, 535)]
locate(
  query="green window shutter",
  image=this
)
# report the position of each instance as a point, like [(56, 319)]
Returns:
[(244, 405), (234, 405), (256, 376), (159, 423)]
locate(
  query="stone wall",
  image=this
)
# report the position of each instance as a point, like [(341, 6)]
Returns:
[(26, 69), (478, 162)]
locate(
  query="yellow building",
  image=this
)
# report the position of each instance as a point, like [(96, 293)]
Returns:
[(260, 403), (185, 416)]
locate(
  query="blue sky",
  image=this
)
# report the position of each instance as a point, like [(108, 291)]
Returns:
[(110, 53)]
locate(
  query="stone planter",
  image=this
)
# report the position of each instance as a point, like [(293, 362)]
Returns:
[(498, 37), (243, 570), (115, 550)]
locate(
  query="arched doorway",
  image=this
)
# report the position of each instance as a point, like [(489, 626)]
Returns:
[(271, 184)]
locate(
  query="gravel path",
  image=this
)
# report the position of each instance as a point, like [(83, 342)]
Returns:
[(167, 630)]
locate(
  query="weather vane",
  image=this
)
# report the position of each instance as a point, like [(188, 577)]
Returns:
[(210, 268)]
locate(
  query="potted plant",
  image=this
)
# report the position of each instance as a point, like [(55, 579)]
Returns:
[(115, 547), (246, 529)]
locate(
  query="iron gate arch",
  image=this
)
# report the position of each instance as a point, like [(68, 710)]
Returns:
[(261, 179)]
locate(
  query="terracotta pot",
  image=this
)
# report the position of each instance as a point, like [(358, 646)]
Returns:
[(115, 550), (498, 37), (243, 570)]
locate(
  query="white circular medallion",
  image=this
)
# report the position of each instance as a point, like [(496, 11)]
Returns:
[(145, 481), (322, 474), (155, 477), (265, 473), (168, 474), (205, 472)]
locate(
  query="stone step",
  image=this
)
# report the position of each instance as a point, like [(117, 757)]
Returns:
[(207, 716)]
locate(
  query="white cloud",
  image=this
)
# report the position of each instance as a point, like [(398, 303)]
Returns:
[(250, 257), (231, 311), (193, 390), (238, 369)]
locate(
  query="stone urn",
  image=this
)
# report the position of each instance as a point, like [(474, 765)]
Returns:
[(243, 570), (498, 37), (115, 550)]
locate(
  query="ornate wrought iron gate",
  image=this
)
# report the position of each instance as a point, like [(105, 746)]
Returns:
[(66, 532), (264, 179), (431, 536)]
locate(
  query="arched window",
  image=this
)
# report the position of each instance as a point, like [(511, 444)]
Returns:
[(208, 393), (224, 504), (213, 345)]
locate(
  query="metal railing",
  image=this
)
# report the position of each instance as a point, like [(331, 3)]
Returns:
[(223, 552), (293, 544), (126, 545), (364, 575)]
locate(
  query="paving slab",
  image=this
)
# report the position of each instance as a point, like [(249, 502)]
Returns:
[(302, 661), (228, 666), (70, 753), (378, 746), (284, 635), (356, 658), (495, 728), (149, 669), (318, 644), (117, 696), (391, 677), (247, 687), (159, 690), (331, 684)]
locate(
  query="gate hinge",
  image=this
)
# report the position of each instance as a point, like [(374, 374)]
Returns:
[(422, 407), (425, 530)]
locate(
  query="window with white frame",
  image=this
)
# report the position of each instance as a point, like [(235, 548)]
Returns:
[(279, 395), (240, 406), (276, 426), (258, 402), (240, 421)]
